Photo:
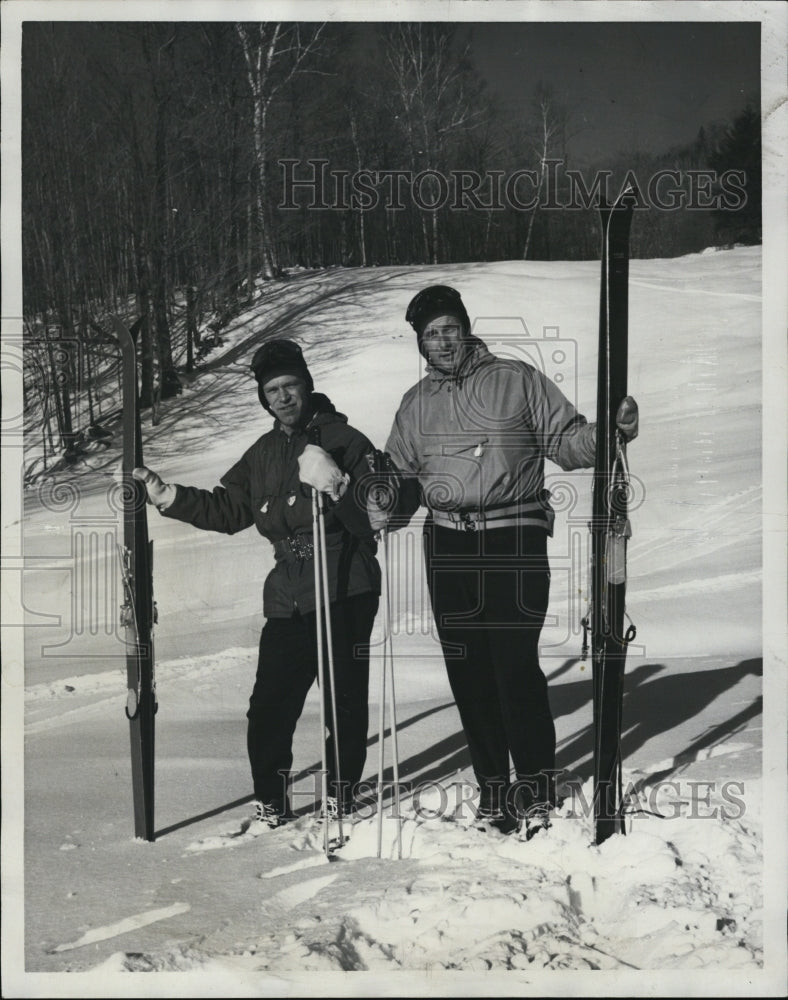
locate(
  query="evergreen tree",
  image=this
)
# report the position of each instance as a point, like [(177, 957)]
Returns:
[(740, 150)]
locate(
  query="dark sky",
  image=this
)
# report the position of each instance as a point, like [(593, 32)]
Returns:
[(629, 85)]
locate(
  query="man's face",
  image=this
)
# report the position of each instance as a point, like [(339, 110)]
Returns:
[(443, 343), (288, 397)]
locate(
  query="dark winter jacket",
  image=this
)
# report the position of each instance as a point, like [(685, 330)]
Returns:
[(264, 489), (478, 439)]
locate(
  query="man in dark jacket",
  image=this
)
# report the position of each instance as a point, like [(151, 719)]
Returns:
[(271, 487), (472, 437)]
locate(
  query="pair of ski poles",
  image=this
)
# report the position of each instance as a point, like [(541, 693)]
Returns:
[(323, 622), (323, 616), (378, 465), (387, 665)]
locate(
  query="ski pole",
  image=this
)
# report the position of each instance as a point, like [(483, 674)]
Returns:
[(382, 725), (388, 660), (320, 671), (322, 590), (330, 648), (378, 465)]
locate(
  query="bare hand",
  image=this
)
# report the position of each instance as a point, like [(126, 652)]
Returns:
[(160, 494)]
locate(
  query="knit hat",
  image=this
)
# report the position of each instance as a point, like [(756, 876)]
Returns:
[(437, 300), (275, 358)]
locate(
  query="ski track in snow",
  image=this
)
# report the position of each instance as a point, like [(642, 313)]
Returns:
[(109, 689), (699, 523), (298, 894), (300, 865), (720, 584), (694, 291), (249, 830), (670, 764), (76, 716), (124, 926), (309, 837), (170, 671)]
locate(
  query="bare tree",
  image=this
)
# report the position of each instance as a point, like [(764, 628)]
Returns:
[(354, 134), (273, 54), (436, 101), (550, 133)]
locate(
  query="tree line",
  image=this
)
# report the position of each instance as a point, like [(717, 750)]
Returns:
[(167, 168)]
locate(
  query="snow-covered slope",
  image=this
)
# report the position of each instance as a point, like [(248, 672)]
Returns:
[(679, 907)]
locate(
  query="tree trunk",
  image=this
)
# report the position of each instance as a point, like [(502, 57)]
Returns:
[(159, 255), (144, 339), (85, 337), (250, 275), (361, 217), (191, 325), (269, 264)]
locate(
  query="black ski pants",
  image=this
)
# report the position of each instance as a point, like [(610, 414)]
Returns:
[(489, 591), (286, 669)]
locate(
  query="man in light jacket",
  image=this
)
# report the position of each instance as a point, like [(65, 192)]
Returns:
[(469, 442)]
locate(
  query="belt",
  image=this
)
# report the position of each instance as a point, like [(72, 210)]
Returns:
[(294, 547), (476, 519)]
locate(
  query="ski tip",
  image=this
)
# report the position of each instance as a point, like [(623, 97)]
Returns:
[(628, 197)]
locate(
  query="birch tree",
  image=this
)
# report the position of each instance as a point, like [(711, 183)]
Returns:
[(549, 135), (436, 101), (274, 53)]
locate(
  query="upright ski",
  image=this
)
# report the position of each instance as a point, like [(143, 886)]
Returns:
[(610, 526), (138, 612)]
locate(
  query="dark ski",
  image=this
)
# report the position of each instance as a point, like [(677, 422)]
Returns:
[(610, 526), (138, 611)]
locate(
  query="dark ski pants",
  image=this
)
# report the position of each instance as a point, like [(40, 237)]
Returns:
[(489, 592), (286, 670)]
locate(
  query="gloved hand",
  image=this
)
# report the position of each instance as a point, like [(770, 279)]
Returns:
[(382, 492), (318, 469), (627, 418), (160, 494), (379, 504)]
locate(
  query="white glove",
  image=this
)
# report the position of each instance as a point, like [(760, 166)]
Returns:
[(627, 418), (318, 469), (160, 494)]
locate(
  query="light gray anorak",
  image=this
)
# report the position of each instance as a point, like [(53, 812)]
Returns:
[(477, 440)]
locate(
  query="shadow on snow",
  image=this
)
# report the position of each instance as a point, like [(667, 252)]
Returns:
[(654, 703)]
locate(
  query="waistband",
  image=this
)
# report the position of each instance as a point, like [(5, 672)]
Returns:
[(294, 547), (525, 512)]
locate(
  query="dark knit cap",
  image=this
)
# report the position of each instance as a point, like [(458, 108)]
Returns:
[(275, 358), (437, 300)]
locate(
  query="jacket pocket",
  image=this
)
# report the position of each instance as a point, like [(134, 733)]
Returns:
[(473, 448)]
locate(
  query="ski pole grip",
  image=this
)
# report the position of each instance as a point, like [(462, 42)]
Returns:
[(380, 463), (375, 460)]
